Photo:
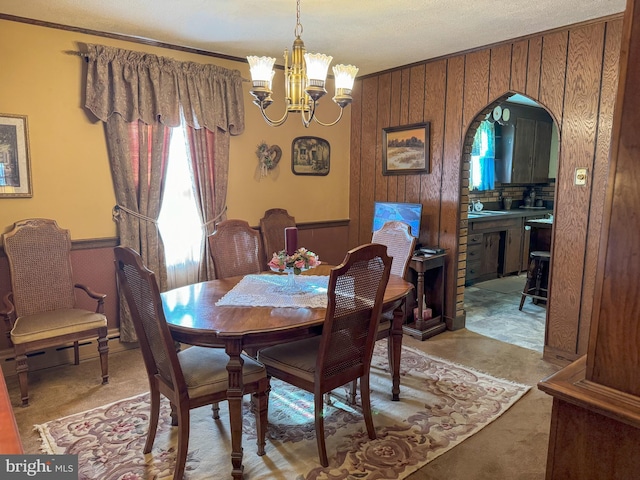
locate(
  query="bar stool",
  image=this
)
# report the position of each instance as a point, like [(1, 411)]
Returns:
[(538, 268)]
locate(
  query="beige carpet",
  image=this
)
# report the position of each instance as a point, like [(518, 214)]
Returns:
[(441, 405)]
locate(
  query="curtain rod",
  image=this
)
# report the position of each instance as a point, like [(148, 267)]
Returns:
[(85, 55)]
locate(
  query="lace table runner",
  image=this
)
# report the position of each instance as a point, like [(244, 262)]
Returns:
[(266, 291)]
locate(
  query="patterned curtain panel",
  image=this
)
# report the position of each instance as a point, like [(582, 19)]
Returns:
[(140, 96), (210, 184)]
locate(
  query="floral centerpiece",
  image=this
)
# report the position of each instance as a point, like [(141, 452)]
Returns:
[(302, 259)]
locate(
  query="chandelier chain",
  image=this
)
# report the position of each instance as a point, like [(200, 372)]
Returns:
[(298, 30)]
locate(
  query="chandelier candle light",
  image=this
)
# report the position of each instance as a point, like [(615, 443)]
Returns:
[(304, 81)]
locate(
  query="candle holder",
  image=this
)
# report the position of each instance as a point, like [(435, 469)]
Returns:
[(291, 286), (301, 260)]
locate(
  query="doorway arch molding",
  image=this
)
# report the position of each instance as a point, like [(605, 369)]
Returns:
[(467, 145)]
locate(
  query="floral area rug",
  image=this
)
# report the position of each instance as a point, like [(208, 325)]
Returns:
[(441, 404)]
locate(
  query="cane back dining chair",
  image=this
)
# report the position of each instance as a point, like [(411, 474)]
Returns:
[(272, 227), (236, 249), (342, 353), (41, 311), (396, 236), (190, 378)]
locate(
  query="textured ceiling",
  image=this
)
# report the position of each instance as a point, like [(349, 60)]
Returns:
[(374, 35)]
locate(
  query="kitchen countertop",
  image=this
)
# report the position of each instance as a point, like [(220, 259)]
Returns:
[(485, 215)]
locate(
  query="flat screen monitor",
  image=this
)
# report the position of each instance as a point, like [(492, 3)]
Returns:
[(410, 213)]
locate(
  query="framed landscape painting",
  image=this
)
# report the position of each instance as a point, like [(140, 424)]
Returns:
[(15, 172), (405, 149)]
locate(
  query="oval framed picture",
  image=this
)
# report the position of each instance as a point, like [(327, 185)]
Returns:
[(310, 156)]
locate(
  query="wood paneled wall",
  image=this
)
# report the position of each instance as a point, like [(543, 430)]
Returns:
[(570, 72), (595, 420)]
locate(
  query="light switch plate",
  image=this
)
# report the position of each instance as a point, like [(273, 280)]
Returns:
[(580, 177)]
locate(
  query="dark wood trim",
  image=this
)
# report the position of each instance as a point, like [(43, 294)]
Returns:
[(95, 243), (111, 242), (571, 385), (88, 244), (117, 36), (317, 225), (323, 224)]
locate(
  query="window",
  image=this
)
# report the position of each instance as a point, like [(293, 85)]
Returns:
[(483, 158), (179, 221)]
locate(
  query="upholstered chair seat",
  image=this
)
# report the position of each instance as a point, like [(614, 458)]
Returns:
[(205, 370), (65, 321)]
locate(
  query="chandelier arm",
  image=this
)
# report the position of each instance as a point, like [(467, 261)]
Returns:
[(332, 123), (306, 120), (273, 123)]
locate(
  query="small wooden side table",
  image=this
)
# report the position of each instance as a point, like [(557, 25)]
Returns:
[(431, 267)]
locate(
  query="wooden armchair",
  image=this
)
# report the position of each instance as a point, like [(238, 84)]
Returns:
[(272, 227), (236, 249), (343, 352), (191, 378), (40, 310)]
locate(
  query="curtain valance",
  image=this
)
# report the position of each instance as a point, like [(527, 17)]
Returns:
[(142, 86)]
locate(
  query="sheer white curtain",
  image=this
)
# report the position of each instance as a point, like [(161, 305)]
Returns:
[(179, 221)]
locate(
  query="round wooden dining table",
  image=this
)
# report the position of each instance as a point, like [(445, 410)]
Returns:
[(195, 319)]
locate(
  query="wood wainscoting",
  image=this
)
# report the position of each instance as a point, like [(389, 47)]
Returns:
[(93, 264)]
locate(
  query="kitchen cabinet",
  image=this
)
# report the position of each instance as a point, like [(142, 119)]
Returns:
[(483, 256), (484, 247), (513, 242), (498, 245), (525, 148), (474, 257), (490, 254)]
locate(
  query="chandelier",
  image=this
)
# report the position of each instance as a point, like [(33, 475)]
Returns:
[(304, 81)]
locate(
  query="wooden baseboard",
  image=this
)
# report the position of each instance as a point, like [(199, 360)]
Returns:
[(62, 355), (559, 357)]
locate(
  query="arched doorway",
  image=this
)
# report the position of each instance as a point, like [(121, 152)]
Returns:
[(510, 157)]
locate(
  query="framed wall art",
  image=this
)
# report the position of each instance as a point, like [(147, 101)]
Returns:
[(15, 168), (310, 156), (405, 149)]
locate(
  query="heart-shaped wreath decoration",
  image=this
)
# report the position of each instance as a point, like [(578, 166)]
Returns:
[(268, 157)]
